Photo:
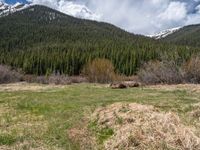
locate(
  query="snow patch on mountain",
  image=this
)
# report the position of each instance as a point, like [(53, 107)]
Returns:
[(77, 10), (164, 33)]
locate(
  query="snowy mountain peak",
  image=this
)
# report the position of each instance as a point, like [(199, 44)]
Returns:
[(6, 9), (164, 33), (17, 5), (69, 7), (3, 6)]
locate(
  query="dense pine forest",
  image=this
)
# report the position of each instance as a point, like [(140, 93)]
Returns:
[(41, 41)]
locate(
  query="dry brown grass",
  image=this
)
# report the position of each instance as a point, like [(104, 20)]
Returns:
[(143, 127), (29, 145), (23, 86), (195, 113), (188, 87)]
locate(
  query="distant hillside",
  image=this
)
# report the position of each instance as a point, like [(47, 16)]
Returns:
[(188, 35), (41, 24), (41, 40)]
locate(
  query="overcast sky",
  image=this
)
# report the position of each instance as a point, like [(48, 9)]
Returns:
[(138, 16)]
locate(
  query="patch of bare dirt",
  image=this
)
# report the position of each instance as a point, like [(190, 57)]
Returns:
[(143, 127), (83, 137)]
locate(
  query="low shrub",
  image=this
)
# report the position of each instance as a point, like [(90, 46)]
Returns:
[(8, 75), (192, 70), (161, 72)]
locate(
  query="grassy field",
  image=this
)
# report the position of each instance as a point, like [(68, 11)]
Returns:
[(40, 116)]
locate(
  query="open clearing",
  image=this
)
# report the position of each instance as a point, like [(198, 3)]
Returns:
[(93, 116)]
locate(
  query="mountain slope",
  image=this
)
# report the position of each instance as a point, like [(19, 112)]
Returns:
[(188, 35), (39, 24), (40, 40)]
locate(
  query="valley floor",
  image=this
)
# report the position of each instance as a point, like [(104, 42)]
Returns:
[(45, 117)]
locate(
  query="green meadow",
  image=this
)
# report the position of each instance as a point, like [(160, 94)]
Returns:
[(39, 116)]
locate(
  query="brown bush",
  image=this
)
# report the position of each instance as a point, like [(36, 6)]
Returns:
[(7, 75), (54, 79), (164, 72), (64, 79), (100, 71), (36, 79), (192, 70)]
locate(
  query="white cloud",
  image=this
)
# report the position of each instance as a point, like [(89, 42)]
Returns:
[(198, 9), (141, 16), (174, 14), (194, 18), (175, 11), (138, 16)]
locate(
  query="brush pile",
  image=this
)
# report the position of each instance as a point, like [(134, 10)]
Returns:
[(143, 127)]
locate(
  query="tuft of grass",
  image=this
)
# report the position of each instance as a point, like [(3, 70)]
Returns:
[(102, 134), (119, 120), (7, 139)]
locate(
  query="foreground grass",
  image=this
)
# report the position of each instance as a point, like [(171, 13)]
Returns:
[(41, 118)]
